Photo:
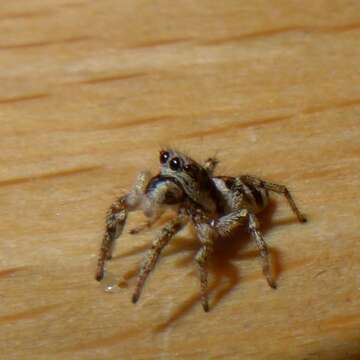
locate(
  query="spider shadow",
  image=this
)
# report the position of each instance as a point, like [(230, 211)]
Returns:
[(223, 269), (223, 265)]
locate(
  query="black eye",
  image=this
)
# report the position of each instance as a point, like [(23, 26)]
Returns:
[(164, 156), (174, 163)]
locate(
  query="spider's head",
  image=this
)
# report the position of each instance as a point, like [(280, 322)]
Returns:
[(193, 178), (172, 162), (178, 165)]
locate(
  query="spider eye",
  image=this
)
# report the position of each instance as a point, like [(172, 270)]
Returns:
[(174, 163), (164, 156)]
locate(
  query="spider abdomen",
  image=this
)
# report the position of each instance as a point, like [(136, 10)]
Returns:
[(235, 193)]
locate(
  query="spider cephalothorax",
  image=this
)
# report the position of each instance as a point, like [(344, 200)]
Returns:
[(214, 205)]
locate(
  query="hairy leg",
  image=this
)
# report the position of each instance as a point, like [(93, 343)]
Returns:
[(206, 235), (165, 235), (226, 224), (281, 189), (264, 252), (115, 221)]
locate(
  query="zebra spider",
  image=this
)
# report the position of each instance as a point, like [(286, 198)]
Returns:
[(214, 205)]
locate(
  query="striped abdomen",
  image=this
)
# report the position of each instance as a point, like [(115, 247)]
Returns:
[(234, 190)]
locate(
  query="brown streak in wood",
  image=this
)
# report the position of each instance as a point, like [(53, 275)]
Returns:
[(136, 122), (320, 108), (233, 126), (28, 314), (21, 15), (112, 78), (125, 124), (11, 271), (17, 99), (63, 173), (340, 321), (283, 30), (253, 35), (45, 43), (157, 43), (343, 28)]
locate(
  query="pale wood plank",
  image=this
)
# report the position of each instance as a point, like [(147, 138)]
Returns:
[(90, 90)]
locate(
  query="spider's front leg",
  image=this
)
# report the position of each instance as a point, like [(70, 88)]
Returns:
[(116, 219), (165, 235), (160, 193)]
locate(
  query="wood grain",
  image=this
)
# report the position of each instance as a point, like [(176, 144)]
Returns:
[(89, 92)]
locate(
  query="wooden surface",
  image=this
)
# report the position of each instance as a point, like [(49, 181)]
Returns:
[(91, 89)]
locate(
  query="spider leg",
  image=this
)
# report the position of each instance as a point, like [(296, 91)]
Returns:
[(165, 235), (207, 230), (264, 252), (280, 189), (115, 221), (227, 223), (206, 235)]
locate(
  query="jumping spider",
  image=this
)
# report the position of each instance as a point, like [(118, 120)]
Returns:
[(214, 205)]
